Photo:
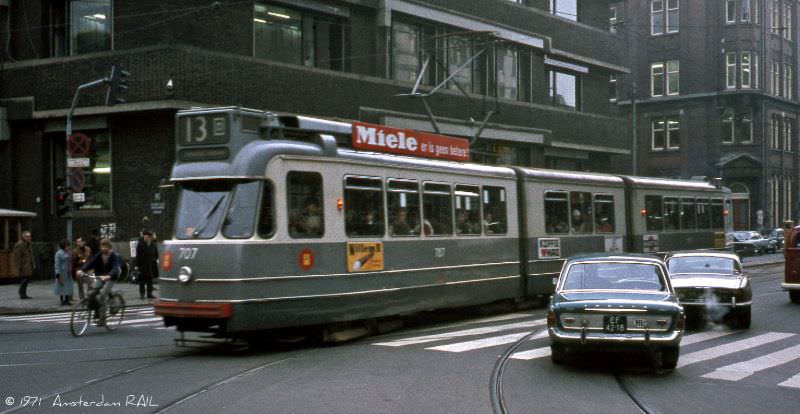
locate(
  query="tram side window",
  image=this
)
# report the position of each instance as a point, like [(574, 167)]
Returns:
[(437, 209), (306, 217), (654, 218), (363, 206), (688, 214), (717, 214), (403, 203), (266, 215), (240, 221), (703, 214), (672, 220), (581, 208), (556, 212), (468, 210), (495, 219), (604, 213)]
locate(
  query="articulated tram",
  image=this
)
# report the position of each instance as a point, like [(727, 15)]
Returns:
[(280, 225)]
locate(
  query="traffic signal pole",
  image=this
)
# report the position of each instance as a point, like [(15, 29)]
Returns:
[(117, 84)]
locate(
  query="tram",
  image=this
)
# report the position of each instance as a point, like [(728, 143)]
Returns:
[(279, 224)]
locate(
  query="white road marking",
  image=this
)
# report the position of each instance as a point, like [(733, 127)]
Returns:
[(735, 372), (484, 343), (703, 336), (731, 347), (456, 334), (793, 382)]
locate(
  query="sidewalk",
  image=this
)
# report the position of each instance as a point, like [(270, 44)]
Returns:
[(43, 299)]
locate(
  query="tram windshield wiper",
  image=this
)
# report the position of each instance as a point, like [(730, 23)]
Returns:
[(204, 221)]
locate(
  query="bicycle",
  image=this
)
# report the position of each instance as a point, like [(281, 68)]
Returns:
[(88, 308)]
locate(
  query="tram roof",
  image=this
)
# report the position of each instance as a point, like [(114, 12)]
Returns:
[(416, 162), (574, 176), (694, 184), (15, 213)]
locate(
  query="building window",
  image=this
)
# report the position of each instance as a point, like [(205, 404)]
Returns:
[(80, 26), (787, 135), (745, 11), (776, 132), (666, 133), (776, 16), (657, 79), (730, 70), (657, 17), (459, 51), (407, 52), (776, 78), (673, 77), (774, 197), (613, 93), (745, 71), (672, 16), (297, 37), (507, 65), (746, 129), (567, 9), (564, 89), (787, 21), (727, 127), (756, 70), (613, 19), (787, 81), (730, 11)]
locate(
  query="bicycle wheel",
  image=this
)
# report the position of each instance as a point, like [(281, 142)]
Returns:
[(116, 310), (80, 318)]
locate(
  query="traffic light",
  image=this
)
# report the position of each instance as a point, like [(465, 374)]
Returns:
[(117, 84), (62, 201)]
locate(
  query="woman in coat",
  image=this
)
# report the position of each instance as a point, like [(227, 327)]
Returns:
[(63, 287)]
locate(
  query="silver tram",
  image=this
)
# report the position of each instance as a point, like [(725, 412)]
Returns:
[(279, 225)]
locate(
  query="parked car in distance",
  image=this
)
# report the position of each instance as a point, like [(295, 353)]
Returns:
[(749, 243), (615, 303), (775, 236), (712, 285)]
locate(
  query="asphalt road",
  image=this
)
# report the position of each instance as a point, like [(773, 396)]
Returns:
[(441, 366)]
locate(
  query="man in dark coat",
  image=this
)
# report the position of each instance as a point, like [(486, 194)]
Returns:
[(24, 260), (146, 263)]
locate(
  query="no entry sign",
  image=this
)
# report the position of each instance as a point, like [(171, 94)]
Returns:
[(79, 144)]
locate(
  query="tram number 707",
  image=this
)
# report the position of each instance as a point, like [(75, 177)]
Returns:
[(187, 253)]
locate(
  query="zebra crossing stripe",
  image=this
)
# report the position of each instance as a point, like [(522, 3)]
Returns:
[(703, 336), (735, 372), (793, 382), (467, 332), (484, 343), (731, 348)]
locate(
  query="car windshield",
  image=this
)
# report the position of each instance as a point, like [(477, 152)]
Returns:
[(613, 276), (742, 235), (700, 264)]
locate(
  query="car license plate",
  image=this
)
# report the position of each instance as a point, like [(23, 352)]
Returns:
[(615, 323)]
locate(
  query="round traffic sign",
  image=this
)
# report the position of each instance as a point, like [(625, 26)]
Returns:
[(77, 180), (79, 144)]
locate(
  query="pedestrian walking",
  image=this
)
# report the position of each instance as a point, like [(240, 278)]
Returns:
[(63, 270), (25, 263), (147, 264), (81, 253)]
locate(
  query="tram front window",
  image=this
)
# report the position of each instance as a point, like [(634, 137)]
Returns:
[(200, 208)]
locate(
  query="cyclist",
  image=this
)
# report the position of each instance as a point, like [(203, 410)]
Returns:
[(106, 263)]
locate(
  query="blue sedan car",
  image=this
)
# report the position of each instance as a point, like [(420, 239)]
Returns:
[(615, 303)]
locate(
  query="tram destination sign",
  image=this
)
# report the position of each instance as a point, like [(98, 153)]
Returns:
[(203, 129), (382, 138)]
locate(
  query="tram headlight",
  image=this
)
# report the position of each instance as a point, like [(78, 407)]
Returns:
[(185, 274)]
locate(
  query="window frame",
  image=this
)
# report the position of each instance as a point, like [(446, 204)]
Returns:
[(730, 70), (349, 184), (728, 118), (657, 78)]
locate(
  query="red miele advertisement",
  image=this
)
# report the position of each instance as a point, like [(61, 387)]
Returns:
[(382, 138)]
